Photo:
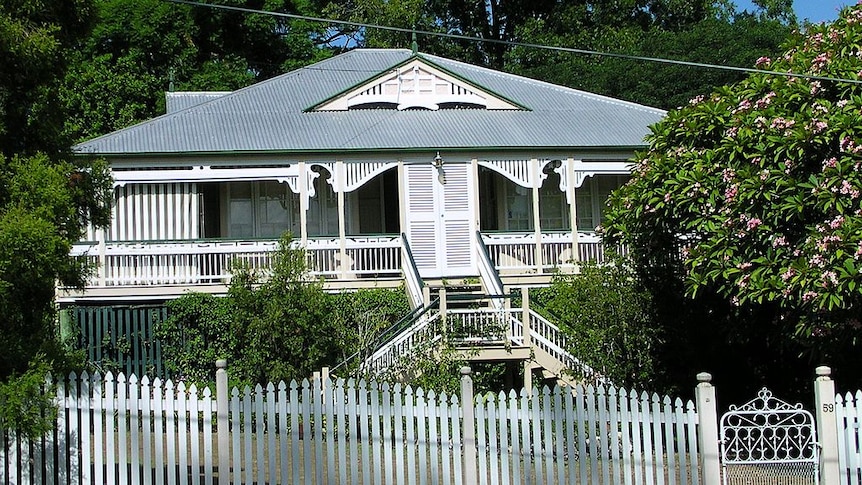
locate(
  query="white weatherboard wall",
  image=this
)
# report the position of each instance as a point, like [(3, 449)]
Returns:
[(145, 212), (440, 218)]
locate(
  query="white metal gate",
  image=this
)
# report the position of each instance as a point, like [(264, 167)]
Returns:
[(767, 440)]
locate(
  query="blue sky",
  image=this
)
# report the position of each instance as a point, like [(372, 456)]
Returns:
[(813, 10)]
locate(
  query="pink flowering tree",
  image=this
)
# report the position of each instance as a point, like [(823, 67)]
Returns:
[(752, 193)]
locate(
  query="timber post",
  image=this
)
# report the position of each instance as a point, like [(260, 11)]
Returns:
[(707, 431), (827, 427), (468, 435), (223, 424)]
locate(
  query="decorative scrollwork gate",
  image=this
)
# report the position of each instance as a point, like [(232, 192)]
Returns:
[(767, 440)]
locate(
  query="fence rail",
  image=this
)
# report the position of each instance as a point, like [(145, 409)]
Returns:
[(116, 430)]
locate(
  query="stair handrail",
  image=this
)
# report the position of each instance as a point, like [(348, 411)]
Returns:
[(411, 274), (389, 333), (554, 342), (487, 272), (402, 343)]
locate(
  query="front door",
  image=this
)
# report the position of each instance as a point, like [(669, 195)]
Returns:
[(440, 219)]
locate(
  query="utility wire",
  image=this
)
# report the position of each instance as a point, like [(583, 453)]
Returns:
[(516, 44)]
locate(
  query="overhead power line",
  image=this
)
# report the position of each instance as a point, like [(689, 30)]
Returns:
[(516, 44)]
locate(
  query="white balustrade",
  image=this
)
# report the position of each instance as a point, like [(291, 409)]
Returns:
[(516, 252), (206, 262)]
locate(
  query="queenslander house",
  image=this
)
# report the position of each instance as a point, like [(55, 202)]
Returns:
[(390, 168)]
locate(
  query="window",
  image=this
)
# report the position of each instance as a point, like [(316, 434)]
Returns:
[(260, 209), (553, 208), (519, 208), (322, 217), (592, 198)]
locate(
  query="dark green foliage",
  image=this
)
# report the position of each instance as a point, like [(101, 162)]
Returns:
[(744, 214), (607, 314), (26, 404), (737, 41), (45, 201), (277, 328), (139, 49)]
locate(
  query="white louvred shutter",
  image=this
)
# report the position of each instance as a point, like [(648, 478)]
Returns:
[(457, 217), (440, 219), (422, 217)]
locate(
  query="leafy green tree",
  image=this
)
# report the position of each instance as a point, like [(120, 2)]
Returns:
[(278, 326), (46, 201), (721, 37), (608, 316), (138, 49), (750, 198)]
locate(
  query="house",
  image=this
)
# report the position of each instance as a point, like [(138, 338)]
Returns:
[(388, 166)]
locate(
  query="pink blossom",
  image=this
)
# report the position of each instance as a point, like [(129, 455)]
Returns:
[(764, 101), (820, 62), (836, 223), (817, 126), (764, 174), (667, 197), (847, 189), (753, 223), (847, 144), (782, 123), (842, 103), (779, 241), (728, 174), (815, 87), (743, 105), (817, 260), (744, 266), (829, 279), (762, 60), (696, 100), (809, 295), (830, 163), (730, 192), (732, 132), (790, 273)]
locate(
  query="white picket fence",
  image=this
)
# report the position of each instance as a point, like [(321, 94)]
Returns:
[(848, 410), (116, 430)]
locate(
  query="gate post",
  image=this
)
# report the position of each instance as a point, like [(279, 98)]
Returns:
[(827, 427), (222, 409), (707, 430), (468, 435)]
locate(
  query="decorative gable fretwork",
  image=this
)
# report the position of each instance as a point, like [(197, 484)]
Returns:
[(417, 85)]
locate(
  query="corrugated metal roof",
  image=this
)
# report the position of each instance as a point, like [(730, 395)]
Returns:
[(180, 100), (271, 116)]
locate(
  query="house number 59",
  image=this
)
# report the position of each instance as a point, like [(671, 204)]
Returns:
[(828, 408)]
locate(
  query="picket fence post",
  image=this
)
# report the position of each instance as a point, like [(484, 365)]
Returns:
[(707, 430), (827, 427), (468, 435), (222, 410)]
